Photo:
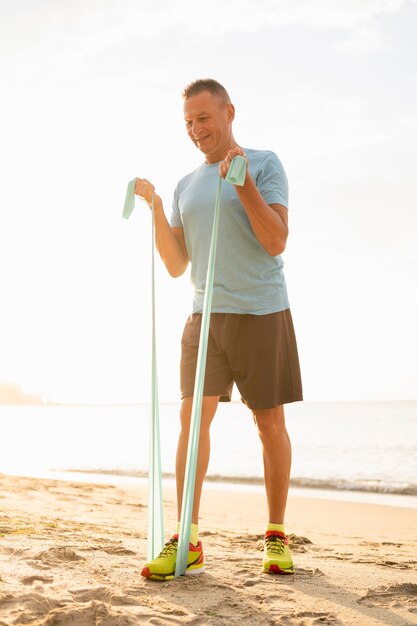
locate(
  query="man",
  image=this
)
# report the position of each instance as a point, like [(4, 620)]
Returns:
[(252, 341)]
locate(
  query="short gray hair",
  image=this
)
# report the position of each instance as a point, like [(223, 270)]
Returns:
[(206, 84)]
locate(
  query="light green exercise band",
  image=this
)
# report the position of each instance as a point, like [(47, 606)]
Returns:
[(129, 199), (236, 176), (192, 451), (155, 512)]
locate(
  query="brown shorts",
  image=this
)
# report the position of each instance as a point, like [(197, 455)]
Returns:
[(257, 352)]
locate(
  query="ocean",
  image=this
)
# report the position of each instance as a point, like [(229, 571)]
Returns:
[(340, 447)]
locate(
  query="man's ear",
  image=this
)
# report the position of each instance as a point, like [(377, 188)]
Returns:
[(230, 112)]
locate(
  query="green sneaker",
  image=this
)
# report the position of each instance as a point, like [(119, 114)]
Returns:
[(163, 567), (277, 555)]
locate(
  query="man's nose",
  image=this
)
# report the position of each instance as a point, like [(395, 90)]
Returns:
[(195, 129)]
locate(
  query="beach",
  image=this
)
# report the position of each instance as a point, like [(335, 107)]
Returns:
[(71, 553)]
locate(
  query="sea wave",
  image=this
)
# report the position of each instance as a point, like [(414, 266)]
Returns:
[(369, 486)]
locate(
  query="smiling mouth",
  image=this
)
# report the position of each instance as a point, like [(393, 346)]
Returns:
[(202, 139)]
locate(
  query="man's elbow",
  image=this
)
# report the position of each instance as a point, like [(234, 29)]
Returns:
[(174, 273), (276, 250), (177, 270), (276, 247)]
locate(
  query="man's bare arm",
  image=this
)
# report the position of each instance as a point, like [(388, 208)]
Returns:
[(269, 221), (170, 242)]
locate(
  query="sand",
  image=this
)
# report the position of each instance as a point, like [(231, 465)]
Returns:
[(71, 553)]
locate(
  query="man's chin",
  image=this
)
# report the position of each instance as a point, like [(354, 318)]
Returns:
[(205, 149), (202, 150)]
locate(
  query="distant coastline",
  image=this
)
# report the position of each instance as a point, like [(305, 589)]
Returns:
[(14, 394)]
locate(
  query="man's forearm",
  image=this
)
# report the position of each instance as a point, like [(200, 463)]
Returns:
[(170, 249), (269, 227)]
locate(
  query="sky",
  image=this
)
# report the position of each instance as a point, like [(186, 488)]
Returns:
[(91, 97)]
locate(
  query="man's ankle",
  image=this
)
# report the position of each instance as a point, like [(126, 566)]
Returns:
[(273, 526), (193, 533)]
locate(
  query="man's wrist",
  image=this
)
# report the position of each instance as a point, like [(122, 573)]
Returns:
[(247, 185), (157, 203)]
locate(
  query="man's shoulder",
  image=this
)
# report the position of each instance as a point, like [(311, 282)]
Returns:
[(258, 152), (259, 156), (264, 163)]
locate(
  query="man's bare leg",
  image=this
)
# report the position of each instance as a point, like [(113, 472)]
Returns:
[(209, 408), (277, 459)]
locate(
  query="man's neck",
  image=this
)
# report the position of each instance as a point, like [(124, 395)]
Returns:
[(222, 152)]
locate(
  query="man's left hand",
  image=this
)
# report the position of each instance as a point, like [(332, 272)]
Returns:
[(225, 164)]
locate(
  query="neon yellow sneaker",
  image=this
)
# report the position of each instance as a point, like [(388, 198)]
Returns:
[(163, 567), (277, 555)]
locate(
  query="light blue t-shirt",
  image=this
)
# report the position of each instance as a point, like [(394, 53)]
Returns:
[(247, 279)]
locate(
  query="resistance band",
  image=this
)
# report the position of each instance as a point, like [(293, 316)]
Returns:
[(193, 439), (236, 176), (155, 512)]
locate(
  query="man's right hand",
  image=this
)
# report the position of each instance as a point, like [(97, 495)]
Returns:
[(144, 189)]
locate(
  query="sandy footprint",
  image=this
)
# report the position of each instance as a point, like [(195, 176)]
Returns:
[(29, 580), (403, 595), (398, 564), (57, 555), (29, 605), (95, 613), (104, 594), (209, 533), (245, 571), (298, 539), (308, 571), (38, 566), (251, 582), (309, 618)]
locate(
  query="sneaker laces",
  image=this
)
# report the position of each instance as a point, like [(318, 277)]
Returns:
[(275, 544), (170, 547)]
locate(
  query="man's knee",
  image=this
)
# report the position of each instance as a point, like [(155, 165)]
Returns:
[(208, 410), (269, 420)]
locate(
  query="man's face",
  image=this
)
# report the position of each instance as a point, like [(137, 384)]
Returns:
[(208, 122)]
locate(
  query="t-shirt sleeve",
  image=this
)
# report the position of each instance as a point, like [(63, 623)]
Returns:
[(175, 220), (272, 181)]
